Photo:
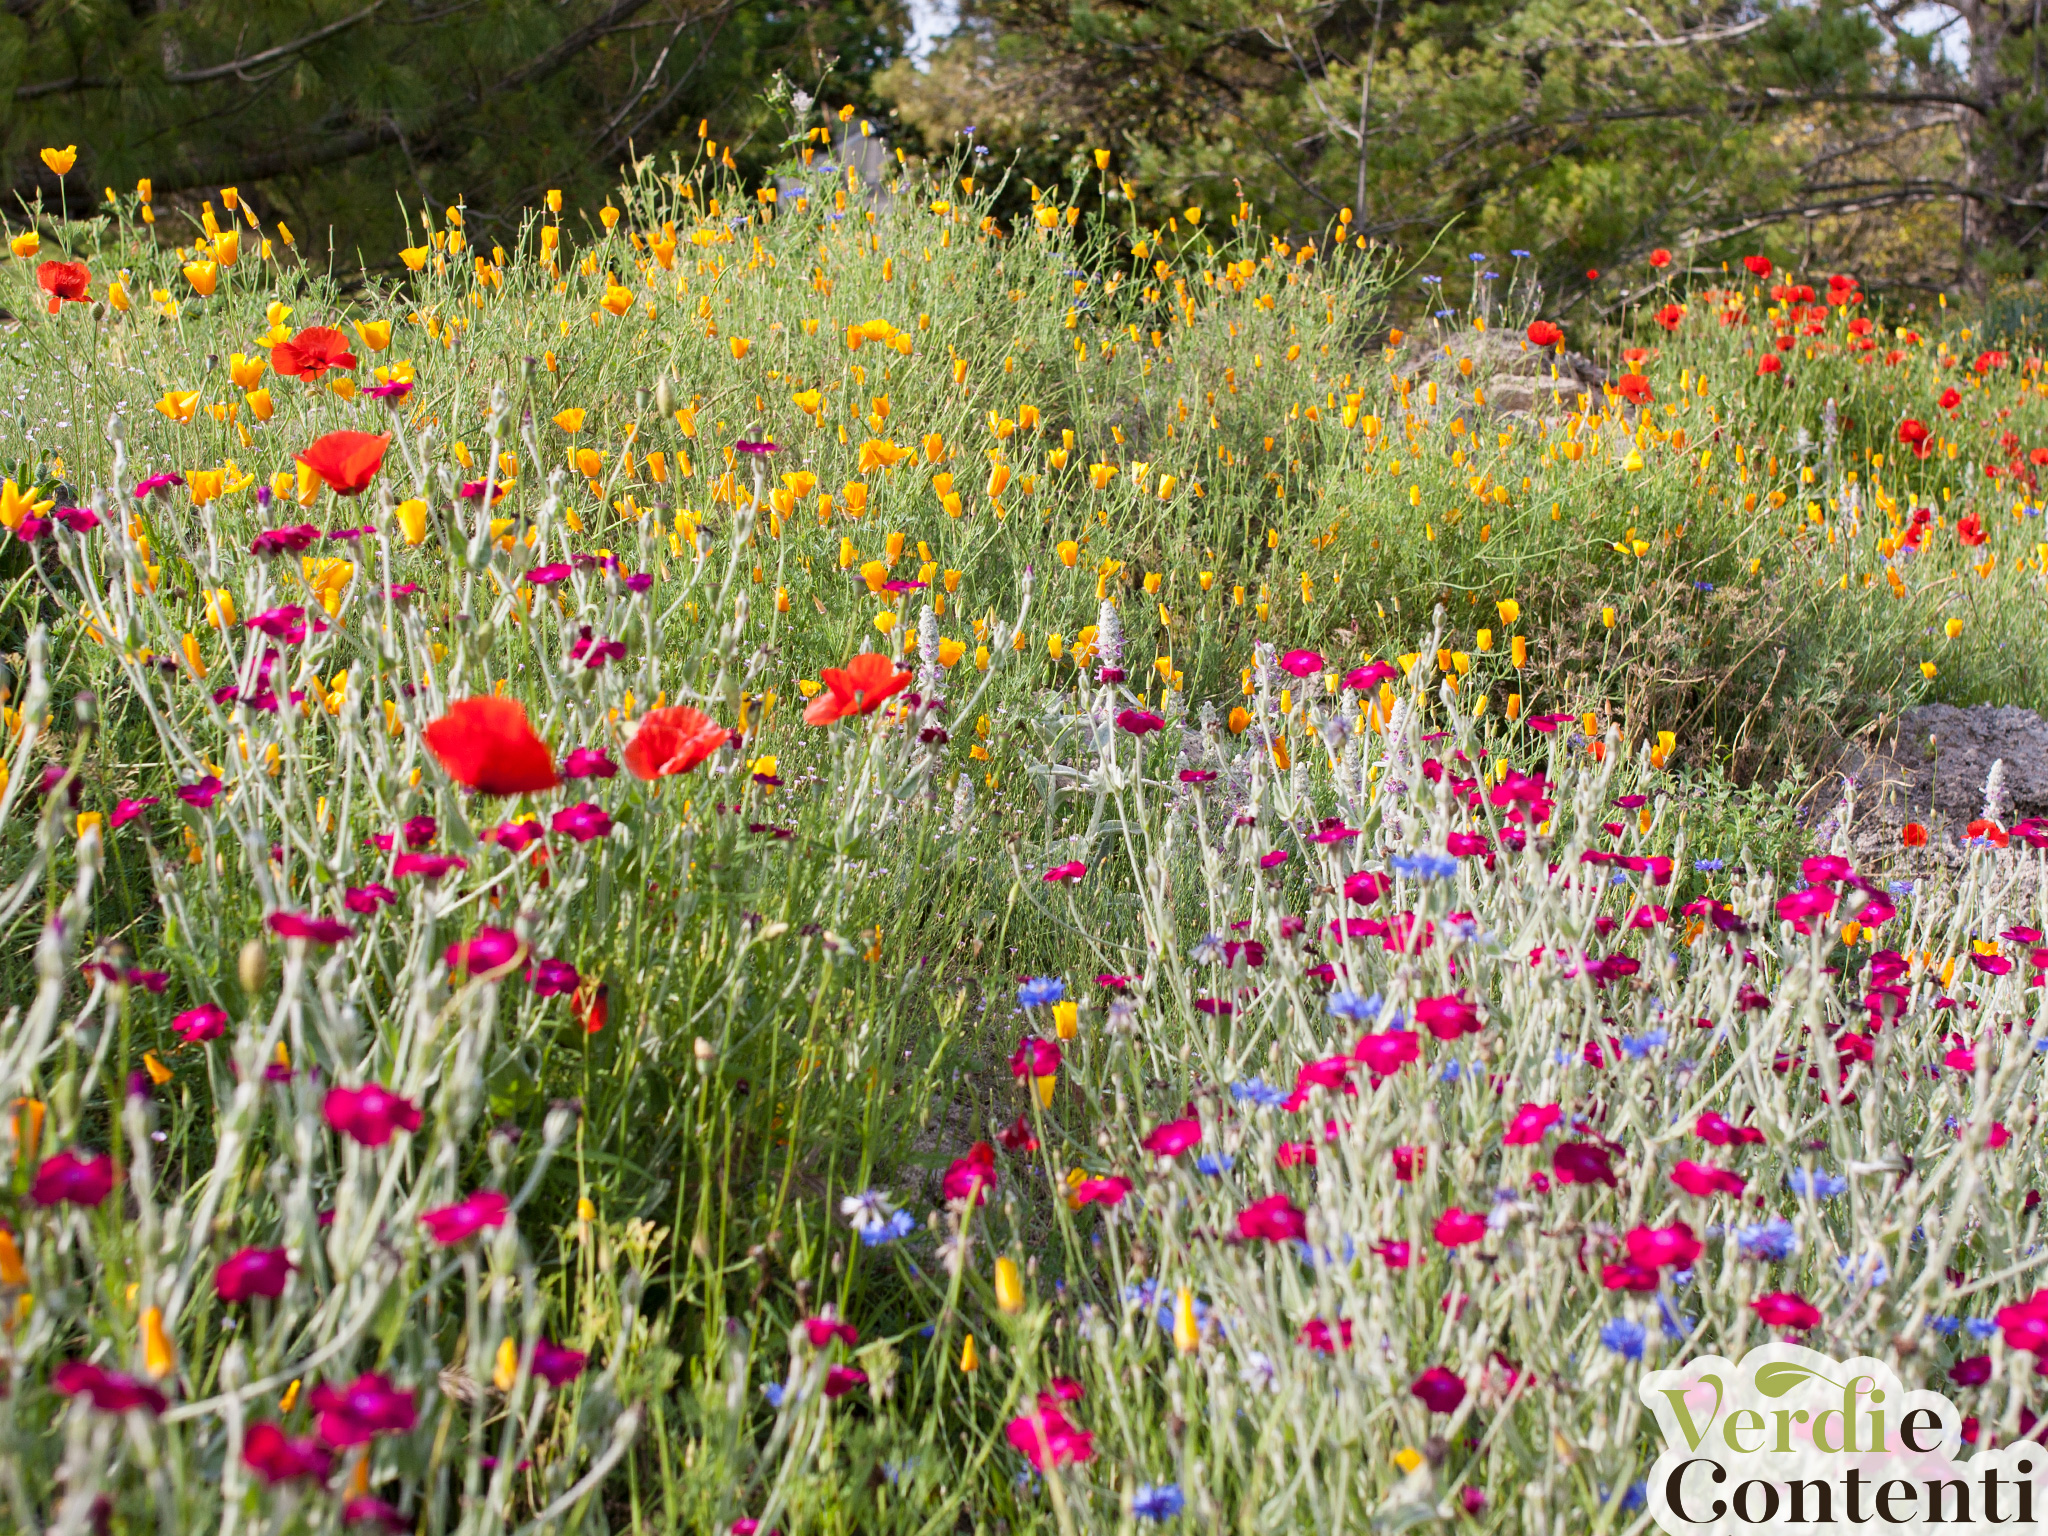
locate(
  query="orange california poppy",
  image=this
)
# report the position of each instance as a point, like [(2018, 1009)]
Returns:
[(672, 740), (859, 690), (487, 744), (311, 353), (347, 461)]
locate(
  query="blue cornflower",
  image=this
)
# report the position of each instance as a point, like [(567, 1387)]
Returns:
[(1451, 1072), (1424, 866), (1703, 586), (1636, 1495), (1215, 1164), (1207, 950), (1822, 1185), (1681, 1278), (1476, 257), (1981, 1327), (897, 1226), (1901, 887), (1446, 314), (1944, 1325), (1158, 1503), (1676, 1324), (1773, 1239), (1863, 1269), (1709, 866), (1519, 255), (1639, 1046), (1489, 277), (1432, 279), (1041, 991), (1349, 1005), (1257, 1091), (1623, 1335), (773, 1391)]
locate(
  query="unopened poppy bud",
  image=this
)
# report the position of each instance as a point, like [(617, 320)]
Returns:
[(1009, 1286), (665, 396), (253, 966), (705, 1052)]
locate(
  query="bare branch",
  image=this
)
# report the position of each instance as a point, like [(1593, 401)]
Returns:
[(1684, 39), (272, 55)]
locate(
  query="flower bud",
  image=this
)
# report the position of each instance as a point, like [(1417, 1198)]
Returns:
[(253, 966)]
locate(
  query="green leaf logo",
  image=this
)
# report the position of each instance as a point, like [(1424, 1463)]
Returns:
[(1781, 1376)]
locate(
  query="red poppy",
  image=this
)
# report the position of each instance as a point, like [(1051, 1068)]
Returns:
[(1543, 334), (673, 740), (860, 689), (1670, 315), (1635, 389), (1759, 266), (1970, 529), (488, 745), (1913, 835), (1915, 435), (347, 461), (1770, 364), (311, 353), (63, 281), (1660, 257), (1949, 400)]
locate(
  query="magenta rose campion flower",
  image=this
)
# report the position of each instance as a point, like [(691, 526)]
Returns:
[(69, 1179), (1440, 1390), (2025, 1324), (427, 866), (1786, 1309), (370, 1115), (252, 1272), (277, 1458), (1447, 1017), (450, 1224), (971, 1177), (108, 1391), (195, 1026), (553, 978), (1301, 663), (515, 836), (1047, 1438), (1456, 1228), (364, 900), (1139, 722), (583, 821), (357, 1413), (1069, 873), (490, 949), (589, 763), (1582, 1162), (1702, 1179), (1529, 1124), (1110, 1189), (1385, 1054), (556, 1365), (1661, 1246), (821, 1331), (315, 930), (1275, 1219), (1174, 1138)]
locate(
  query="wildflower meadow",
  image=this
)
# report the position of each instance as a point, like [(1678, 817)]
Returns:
[(794, 857)]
